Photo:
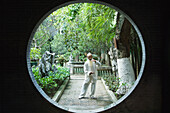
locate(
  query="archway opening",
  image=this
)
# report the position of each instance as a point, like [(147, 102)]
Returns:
[(58, 47)]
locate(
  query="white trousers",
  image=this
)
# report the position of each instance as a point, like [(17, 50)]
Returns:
[(90, 79)]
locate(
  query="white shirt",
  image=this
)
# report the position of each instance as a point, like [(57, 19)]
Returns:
[(90, 66)]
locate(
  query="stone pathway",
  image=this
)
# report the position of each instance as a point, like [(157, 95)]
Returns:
[(70, 100)]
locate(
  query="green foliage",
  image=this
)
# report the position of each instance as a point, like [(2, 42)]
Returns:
[(73, 10), (66, 56), (35, 54), (44, 48), (58, 45), (118, 96), (112, 81), (52, 82), (98, 20), (75, 52), (61, 59), (77, 28), (95, 57), (82, 58)]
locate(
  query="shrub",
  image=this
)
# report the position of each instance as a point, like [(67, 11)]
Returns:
[(111, 81), (61, 59), (52, 82), (35, 54)]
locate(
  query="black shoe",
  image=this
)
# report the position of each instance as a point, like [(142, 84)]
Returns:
[(81, 97), (92, 97)]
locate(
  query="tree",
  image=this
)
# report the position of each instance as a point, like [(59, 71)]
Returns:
[(122, 42), (78, 28), (98, 20)]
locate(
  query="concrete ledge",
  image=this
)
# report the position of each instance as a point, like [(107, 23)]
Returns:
[(114, 99), (60, 91)]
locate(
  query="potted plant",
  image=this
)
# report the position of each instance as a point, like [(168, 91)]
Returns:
[(35, 55)]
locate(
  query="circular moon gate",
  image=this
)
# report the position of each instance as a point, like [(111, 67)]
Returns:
[(100, 109)]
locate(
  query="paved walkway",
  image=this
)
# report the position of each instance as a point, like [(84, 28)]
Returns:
[(70, 95)]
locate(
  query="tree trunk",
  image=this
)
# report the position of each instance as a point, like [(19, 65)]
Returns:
[(123, 42), (125, 69)]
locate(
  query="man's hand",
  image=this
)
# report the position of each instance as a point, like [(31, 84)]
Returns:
[(93, 60), (91, 73)]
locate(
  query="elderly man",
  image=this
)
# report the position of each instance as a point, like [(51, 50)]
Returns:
[(90, 76)]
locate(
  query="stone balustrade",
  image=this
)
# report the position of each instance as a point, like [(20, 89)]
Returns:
[(79, 69)]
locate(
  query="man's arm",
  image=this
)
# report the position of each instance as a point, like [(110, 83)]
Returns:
[(97, 62)]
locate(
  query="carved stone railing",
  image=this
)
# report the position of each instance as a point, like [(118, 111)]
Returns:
[(79, 69), (104, 70)]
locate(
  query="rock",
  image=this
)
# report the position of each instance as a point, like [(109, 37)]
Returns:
[(45, 63)]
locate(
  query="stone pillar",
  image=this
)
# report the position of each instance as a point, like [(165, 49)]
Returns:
[(71, 69)]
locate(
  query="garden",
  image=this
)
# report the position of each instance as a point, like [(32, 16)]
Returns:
[(51, 83), (77, 29)]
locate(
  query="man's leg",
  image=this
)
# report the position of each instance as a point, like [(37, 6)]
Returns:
[(84, 89), (93, 88)]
